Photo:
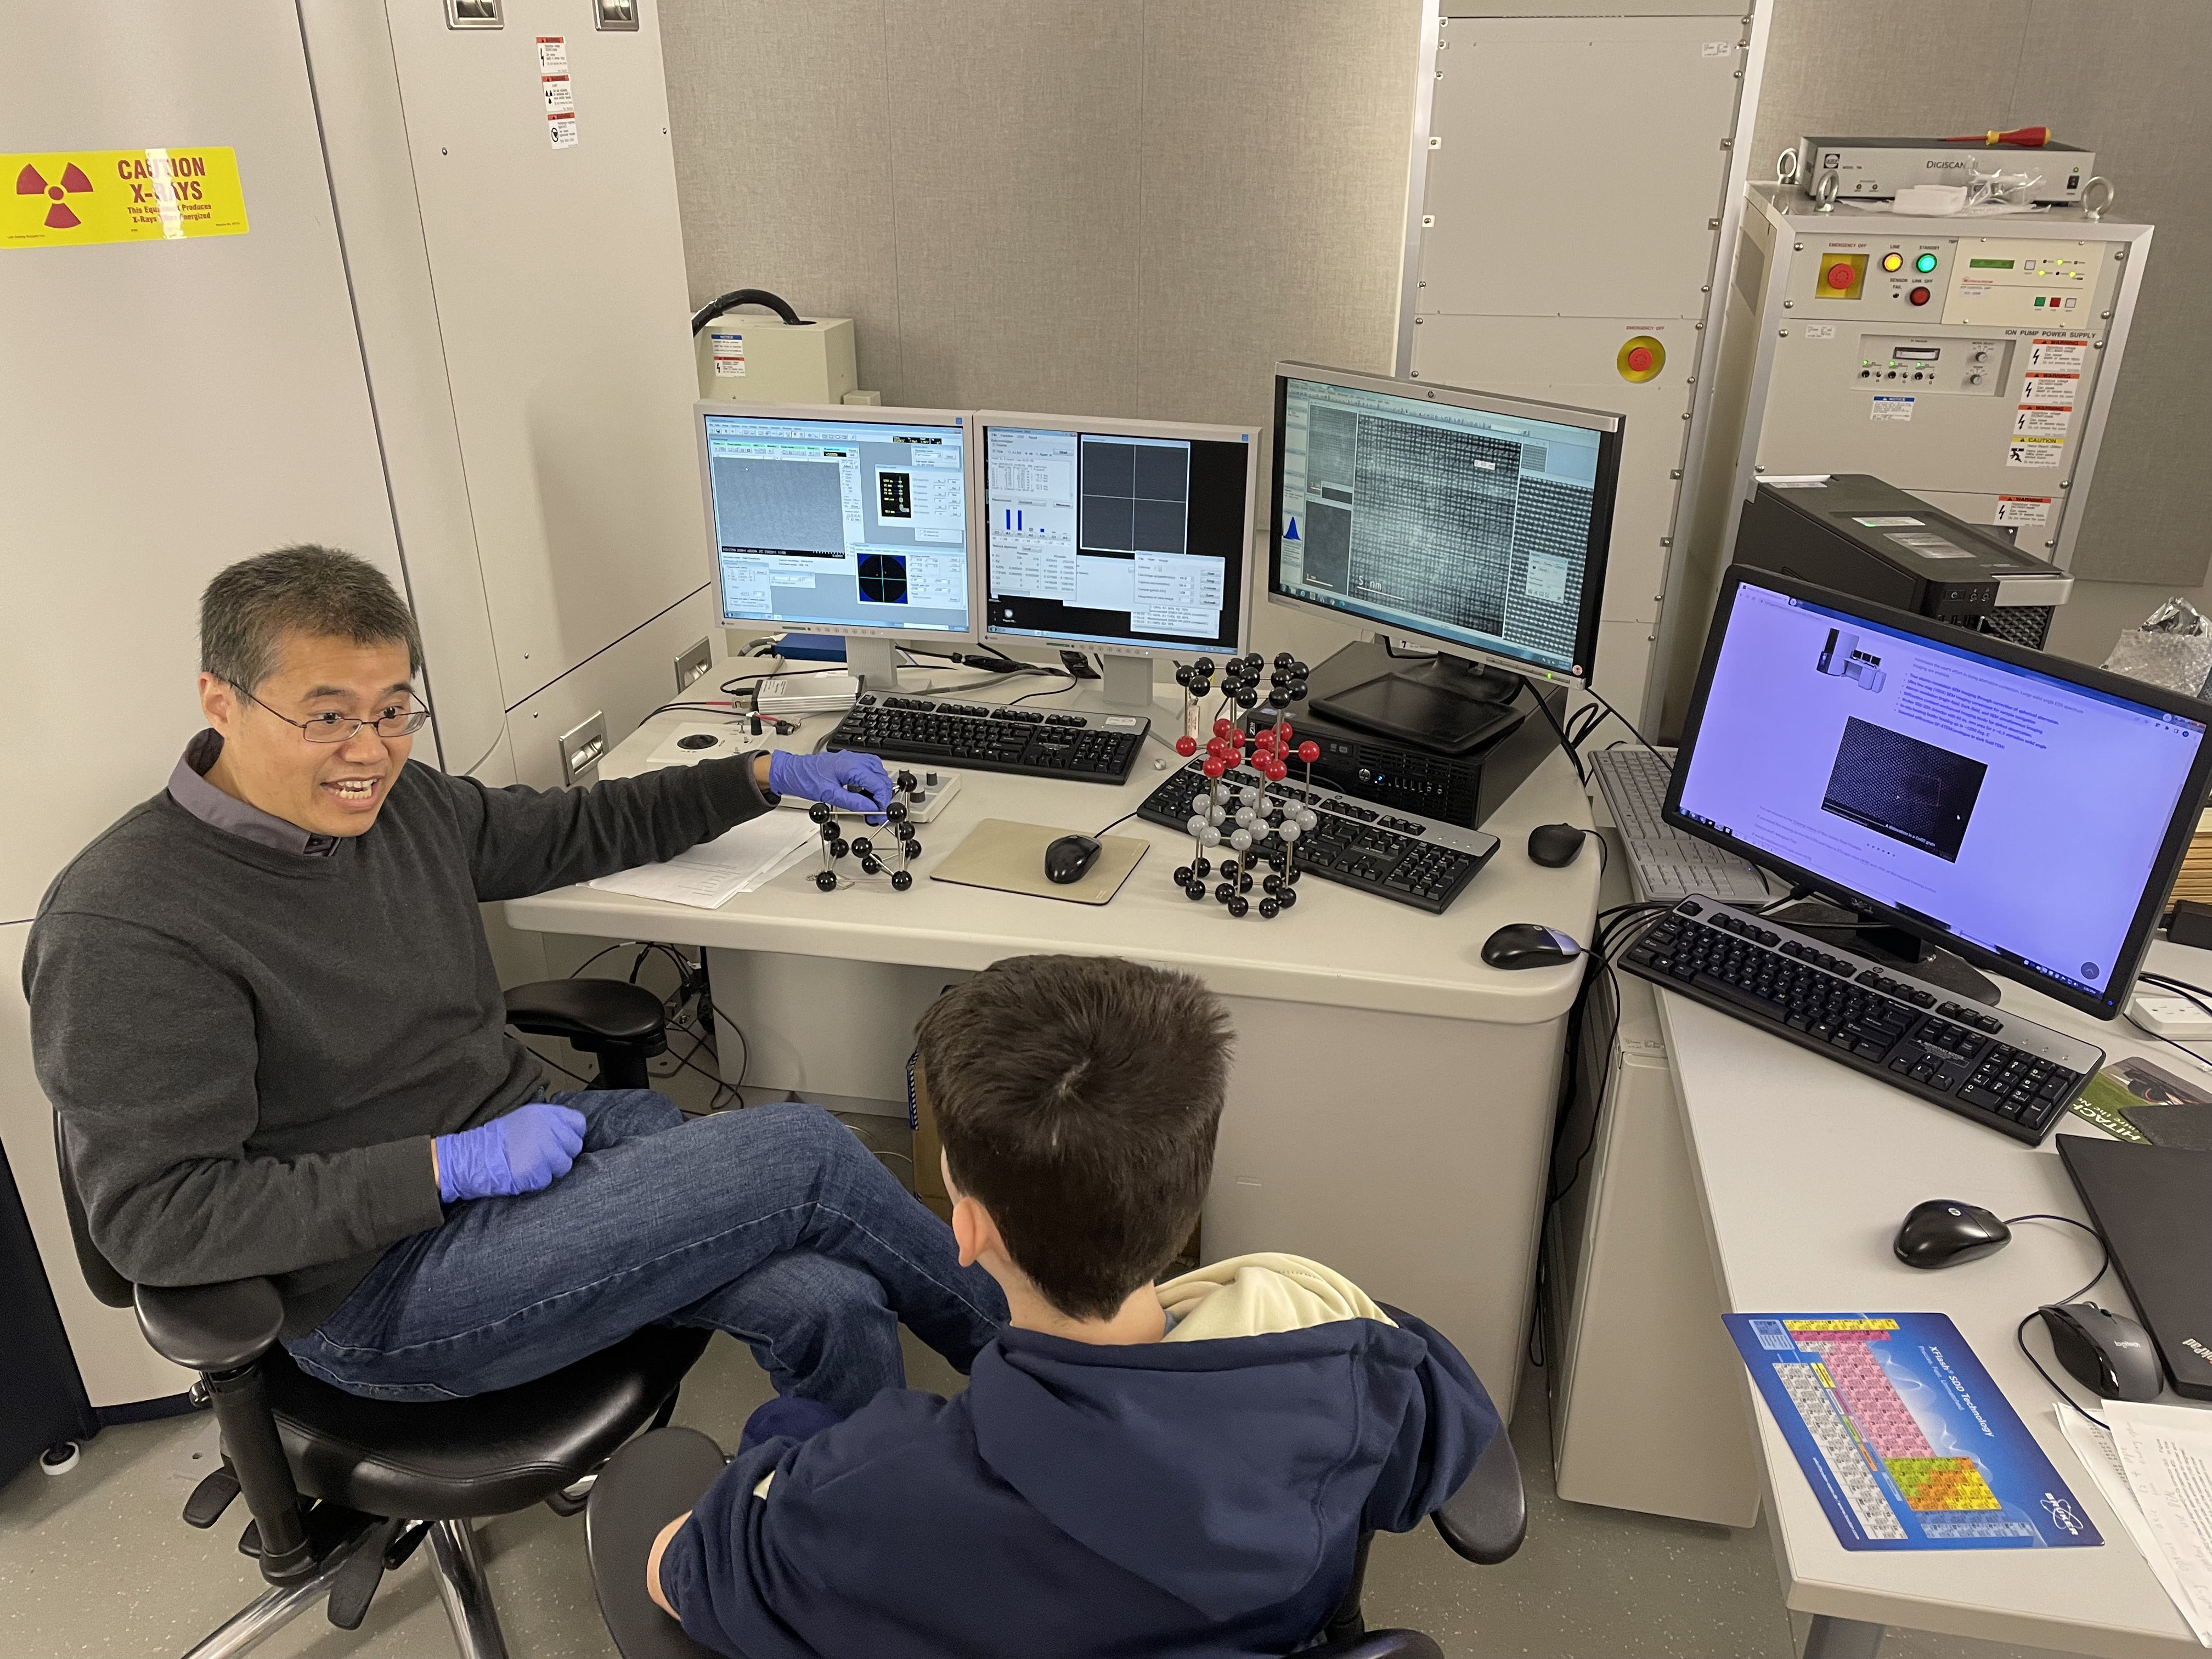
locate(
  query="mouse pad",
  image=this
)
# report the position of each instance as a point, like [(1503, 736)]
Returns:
[(1009, 856)]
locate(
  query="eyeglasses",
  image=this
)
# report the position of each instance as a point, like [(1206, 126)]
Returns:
[(398, 720)]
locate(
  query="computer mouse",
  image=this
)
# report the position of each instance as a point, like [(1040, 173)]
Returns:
[(2104, 1351), (1554, 845), (1527, 944), (1943, 1232), (1069, 858)]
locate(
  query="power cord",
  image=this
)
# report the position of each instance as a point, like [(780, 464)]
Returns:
[(1558, 731), (2020, 1331)]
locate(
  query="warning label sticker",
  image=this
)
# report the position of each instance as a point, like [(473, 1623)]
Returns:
[(2058, 356), (75, 197), (2023, 509), (1891, 409), (2041, 421), (729, 353), (560, 93), (2053, 389), (2034, 451)]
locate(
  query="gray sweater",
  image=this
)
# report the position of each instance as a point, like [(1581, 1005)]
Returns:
[(251, 1049)]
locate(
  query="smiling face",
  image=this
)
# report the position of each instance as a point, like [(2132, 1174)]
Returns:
[(325, 788)]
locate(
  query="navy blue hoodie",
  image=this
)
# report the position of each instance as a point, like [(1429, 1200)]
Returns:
[(1202, 1499)]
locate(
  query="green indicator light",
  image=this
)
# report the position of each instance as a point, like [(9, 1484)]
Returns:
[(1926, 262)]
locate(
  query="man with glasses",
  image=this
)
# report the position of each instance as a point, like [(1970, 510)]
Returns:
[(263, 1005)]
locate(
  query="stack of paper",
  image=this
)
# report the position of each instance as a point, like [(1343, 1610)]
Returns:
[(712, 873), (2155, 1470)]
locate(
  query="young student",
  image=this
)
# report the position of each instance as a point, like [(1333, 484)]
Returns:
[(1135, 1468)]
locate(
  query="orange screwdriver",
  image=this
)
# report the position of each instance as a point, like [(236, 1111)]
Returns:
[(2026, 137)]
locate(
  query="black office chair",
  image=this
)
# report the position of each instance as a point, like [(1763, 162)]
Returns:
[(657, 1476), (343, 1489)]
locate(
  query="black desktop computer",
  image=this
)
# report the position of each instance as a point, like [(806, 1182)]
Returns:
[(2010, 812), (1461, 788), (1858, 535), (1469, 531)]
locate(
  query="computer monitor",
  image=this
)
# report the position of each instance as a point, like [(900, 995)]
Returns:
[(1472, 524), (1126, 537), (834, 520), (2025, 812)]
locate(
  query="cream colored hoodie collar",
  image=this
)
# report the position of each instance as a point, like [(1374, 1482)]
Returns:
[(1261, 1295)]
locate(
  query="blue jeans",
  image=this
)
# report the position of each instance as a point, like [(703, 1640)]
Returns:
[(774, 1224)]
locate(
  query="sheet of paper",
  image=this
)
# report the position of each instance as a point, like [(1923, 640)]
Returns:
[(2102, 1457), (713, 873), (2166, 1454)]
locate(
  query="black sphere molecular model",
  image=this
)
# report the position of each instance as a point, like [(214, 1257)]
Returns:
[(876, 859)]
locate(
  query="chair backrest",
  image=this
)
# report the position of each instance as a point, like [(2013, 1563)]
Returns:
[(100, 1274)]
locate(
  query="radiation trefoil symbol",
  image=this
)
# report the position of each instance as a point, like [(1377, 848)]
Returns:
[(73, 183)]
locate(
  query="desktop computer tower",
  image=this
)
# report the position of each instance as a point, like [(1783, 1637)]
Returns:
[(1462, 789), (1867, 538)]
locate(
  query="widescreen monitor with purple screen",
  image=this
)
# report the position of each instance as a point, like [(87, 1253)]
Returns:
[(2029, 820)]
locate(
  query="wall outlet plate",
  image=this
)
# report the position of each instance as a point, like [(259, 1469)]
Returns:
[(2169, 1015), (692, 665), (582, 747)]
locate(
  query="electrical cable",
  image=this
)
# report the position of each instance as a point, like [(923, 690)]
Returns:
[(1558, 731), (2020, 1331), (1056, 691), (1626, 721)]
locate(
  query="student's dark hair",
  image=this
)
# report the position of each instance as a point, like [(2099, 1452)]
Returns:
[(251, 605), (1078, 1098)]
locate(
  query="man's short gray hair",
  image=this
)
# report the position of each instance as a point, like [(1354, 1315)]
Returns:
[(317, 590)]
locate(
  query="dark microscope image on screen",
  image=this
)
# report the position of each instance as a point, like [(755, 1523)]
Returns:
[(1901, 788), (1136, 497), (1460, 526)]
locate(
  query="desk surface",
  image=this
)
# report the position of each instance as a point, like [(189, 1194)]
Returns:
[(1805, 1168), (1338, 948)]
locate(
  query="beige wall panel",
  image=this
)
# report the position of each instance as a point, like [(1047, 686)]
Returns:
[(779, 115), (1014, 127), (1274, 172)]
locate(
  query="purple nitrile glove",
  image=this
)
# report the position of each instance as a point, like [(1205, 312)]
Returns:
[(850, 782), (532, 1146)]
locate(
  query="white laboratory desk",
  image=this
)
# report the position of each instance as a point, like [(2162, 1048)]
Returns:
[(1802, 1170), (1390, 1109)]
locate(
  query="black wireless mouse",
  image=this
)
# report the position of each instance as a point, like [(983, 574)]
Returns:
[(1527, 944), (1943, 1232), (2104, 1351), (1069, 858), (1554, 845)]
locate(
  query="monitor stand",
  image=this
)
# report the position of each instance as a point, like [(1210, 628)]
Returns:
[(1850, 930), (1443, 705), (1128, 681), (874, 663)]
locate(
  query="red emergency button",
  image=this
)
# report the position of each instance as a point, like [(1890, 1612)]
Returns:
[(1639, 358), (1841, 276), (1919, 296)]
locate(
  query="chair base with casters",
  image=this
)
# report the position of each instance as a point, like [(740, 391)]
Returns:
[(658, 1476), (342, 1489)]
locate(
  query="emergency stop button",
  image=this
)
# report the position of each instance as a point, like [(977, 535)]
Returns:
[(1842, 277), (1641, 358)]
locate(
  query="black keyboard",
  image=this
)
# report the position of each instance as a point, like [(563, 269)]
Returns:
[(1417, 861), (1094, 748), (2006, 1072)]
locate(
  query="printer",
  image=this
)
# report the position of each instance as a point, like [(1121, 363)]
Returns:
[(1871, 540)]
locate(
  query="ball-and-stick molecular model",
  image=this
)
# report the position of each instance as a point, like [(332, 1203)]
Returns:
[(1252, 825), (875, 860)]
